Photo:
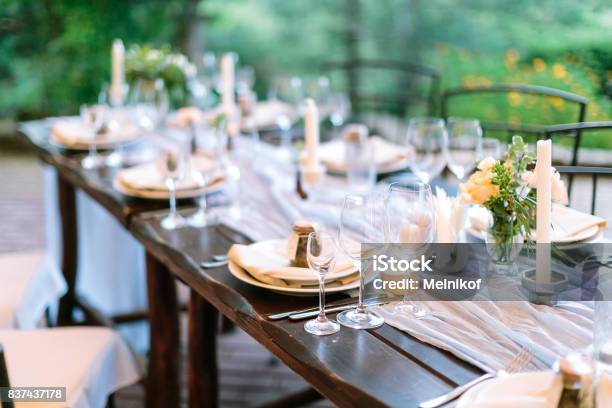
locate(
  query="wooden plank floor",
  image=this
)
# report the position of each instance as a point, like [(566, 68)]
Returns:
[(249, 374)]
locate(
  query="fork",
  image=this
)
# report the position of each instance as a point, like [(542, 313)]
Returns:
[(520, 361)]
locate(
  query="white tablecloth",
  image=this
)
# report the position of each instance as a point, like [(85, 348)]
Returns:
[(111, 263)]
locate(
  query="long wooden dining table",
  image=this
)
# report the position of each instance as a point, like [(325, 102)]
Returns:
[(381, 367)]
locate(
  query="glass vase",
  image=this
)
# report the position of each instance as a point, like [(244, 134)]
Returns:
[(503, 242)]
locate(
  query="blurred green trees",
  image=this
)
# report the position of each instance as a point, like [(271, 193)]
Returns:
[(54, 55)]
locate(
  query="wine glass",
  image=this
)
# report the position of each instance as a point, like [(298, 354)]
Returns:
[(151, 103), (361, 222), (94, 119), (321, 256), (203, 178), (291, 92), (340, 107), (245, 79), (464, 145), (174, 171), (410, 221), (428, 141)]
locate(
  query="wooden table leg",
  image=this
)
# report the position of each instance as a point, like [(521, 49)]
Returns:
[(68, 216), (163, 381), (202, 360)]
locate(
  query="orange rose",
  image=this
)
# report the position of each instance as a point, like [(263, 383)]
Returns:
[(479, 187)]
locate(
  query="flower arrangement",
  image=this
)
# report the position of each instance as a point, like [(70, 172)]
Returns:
[(506, 188), (149, 64)]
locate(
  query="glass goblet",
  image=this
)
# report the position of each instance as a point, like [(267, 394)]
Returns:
[(174, 169), (464, 145), (361, 222), (94, 118), (321, 257), (428, 141), (411, 222)]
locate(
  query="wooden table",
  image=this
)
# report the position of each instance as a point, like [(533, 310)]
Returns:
[(352, 368)]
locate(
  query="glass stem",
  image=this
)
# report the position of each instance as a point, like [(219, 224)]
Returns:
[(92, 151), (172, 188), (203, 205), (360, 306), (405, 297), (321, 298)]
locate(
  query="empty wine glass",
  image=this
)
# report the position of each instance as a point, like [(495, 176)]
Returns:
[(174, 171), (427, 140), (94, 119), (464, 145), (411, 221), (151, 103), (245, 79), (321, 257), (340, 107), (361, 222), (203, 178), (291, 92)]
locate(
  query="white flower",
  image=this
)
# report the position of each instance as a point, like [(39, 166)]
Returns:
[(486, 163), (529, 178), (558, 190)]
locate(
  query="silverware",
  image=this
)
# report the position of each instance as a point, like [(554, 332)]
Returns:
[(220, 258), (213, 264), (305, 315), (518, 363), (340, 302)]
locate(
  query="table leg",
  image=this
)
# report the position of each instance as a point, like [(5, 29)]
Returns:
[(202, 361), (68, 216), (163, 381)]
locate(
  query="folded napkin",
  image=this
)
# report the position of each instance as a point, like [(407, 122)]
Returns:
[(268, 262), (150, 176), (528, 390), (450, 216), (73, 133), (265, 114), (332, 154), (568, 222)]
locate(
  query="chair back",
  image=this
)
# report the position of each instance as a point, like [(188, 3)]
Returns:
[(4, 380), (388, 90), (577, 133), (594, 172), (508, 109)]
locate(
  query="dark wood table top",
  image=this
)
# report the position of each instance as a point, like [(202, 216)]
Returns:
[(352, 368)]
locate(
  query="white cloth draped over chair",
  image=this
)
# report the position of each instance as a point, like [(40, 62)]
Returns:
[(111, 263), (91, 363), (29, 283)]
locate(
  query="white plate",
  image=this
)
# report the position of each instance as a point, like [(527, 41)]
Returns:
[(541, 386), (165, 195), (244, 276), (590, 234), (384, 169)]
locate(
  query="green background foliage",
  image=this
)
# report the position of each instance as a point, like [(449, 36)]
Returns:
[(54, 55)]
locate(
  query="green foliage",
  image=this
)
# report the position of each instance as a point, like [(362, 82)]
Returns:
[(513, 207), (55, 55)]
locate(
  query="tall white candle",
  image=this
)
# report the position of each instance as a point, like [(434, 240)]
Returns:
[(117, 69), (543, 214), (227, 83), (311, 133)]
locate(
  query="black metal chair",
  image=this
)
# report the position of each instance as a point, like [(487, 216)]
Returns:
[(397, 88), (509, 128), (594, 172), (4, 380), (576, 131)]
